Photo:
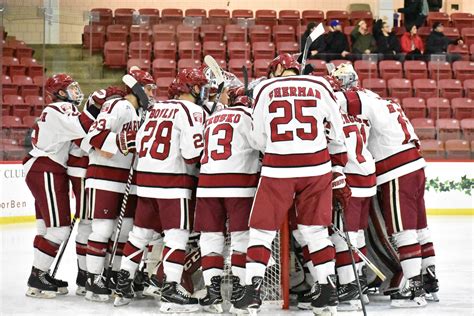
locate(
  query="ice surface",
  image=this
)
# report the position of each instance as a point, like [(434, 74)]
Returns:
[(452, 236)]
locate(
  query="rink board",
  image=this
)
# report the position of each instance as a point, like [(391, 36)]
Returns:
[(17, 203)]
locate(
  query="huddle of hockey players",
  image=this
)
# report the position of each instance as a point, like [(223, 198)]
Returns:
[(308, 147)]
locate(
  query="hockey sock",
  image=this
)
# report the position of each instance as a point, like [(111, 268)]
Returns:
[(138, 239), (344, 269), (321, 251), (127, 225), (83, 231), (238, 244), (97, 244), (47, 246), (427, 249), (308, 268), (409, 251), (258, 253), (174, 253), (212, 261), (362, 247)]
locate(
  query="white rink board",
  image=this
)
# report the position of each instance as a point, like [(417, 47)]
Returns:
[(16, 199)]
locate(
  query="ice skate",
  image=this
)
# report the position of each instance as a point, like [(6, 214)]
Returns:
[(212, 302), (348, 296), (237, 292), (324, 299), (112, 280), (62, 285), (304, 300), (124, 289), (81, 280), (153, 287), (413, 297), (96, 290), (250, 297), (175, 299), (139, 282), (430, 284), (363, 285), (39, 286)]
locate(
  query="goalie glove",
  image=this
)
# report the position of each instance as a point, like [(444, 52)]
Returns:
[(126, 142), (341, 193)]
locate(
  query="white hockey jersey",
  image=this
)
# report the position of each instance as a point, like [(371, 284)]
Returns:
[(229, 165), (110, 174), (290, 118), (392, 140), (169, 144), (58, 125), (360, 167)]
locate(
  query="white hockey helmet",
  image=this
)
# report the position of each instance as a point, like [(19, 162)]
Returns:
[(346, 75)]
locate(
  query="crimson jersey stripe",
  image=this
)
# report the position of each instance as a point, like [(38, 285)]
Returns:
[(107, 173), (165, 180), (186, 110), (98, 140), (354, 105), (80, 162), (296, 160), (339, 159), (361, 181), (397, 160), (237, 180)]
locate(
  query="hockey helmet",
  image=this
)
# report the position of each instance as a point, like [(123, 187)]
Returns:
[(346, 75), (64, 82), (185, 82), (286, 61)]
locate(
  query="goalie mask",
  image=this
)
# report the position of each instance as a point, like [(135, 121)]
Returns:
[(346, 75), (65, 83)]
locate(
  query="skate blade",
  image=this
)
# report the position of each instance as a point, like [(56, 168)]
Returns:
[(97, 297), (349, 306), (237, 311), (170, 308), (37, 293), (81, 291), (121, 301), (432, 297), (62, 291), (214, 309), (152, 291), (325, 311), (304, 306), (415, 303), (365, 298), (253, 311)]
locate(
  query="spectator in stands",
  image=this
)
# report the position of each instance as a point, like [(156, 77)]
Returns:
[(435, 5), (337, 45), (412, 44), (363, 41), (388, 45), (414, 12), (437, 43), (317, 48)]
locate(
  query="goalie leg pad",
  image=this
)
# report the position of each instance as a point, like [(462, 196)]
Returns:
[(212, 261), (174, 253), (409, 250), (427, 249), (321, 251), (238, 245), (258, 253)]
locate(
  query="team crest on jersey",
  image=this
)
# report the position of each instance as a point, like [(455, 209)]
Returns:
[(66, 107), (106, 211), (106, 107), (198, 117)]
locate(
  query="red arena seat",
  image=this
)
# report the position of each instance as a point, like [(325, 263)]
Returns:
[(93, 37), (235, 33), (26, 86), (164, 68), (376, 85), (424, 128), (266, 17), (432, 148), (390, 69), (151, 14), (450, 88), (469, 88), (124, 16), (140, 50), (215, 49), (165, 49), (238, 50), (415, 69), (115, 54), (219, 16), (440, 70), (438, 108), (289, 17), (316, 16), (102, 16), (448, 129), (260, 33), (463, 69), (140, 33), (399, 88), (164, 32), (117, 33), (457, 149), (467, 126), (319, 67), (263, 50), (414, 107), (462, 19), (287, 47), (341, 15), (425, 88), (189, 49), (462, 108), (283, 33), (212, 32), (188, 63), (172, 16)]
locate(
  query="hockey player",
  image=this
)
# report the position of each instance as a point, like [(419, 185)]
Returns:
[(169, 144), (113, 137), (227, 184), (76, 170), (45, 168), (289, 119), (401, 179)]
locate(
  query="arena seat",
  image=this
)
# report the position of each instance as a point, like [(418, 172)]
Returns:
[(423, 32), (190, 49), (8, 87), (457, 149), (462, 19), (162, 84), (16, 105), (235, 33), (399, 88), (414, 107), (172, 16), (152, 14), (33, 69), (341, 15), (316, 16), (438, 108), (425, 88), (163, 32), (356, 16), (22, 51), (260, 67), (319, 66), (188, 63), (424, 128), (36, 102), (102, 16), (93, 37), (415, 69), (219, 16), (29, 121), (337, 62), (469, 88), (467, 126), (142, 63), (12, 67), (263, 50), (448, 129), (462, 108), (377, 85), (452, 33), (289, 17), (283, 33), (216, 49), (235, 66), (140, 33), (26, 86), (138, 49), (241, 14), (390, 69), (432, 148), (438, 17), (260, 33), (117, 33), (266, 17), (212, 32), (463, 70), (450, 88), (366, 69), (8, 49), (187, 33), (165, 50), (238, 50), (287, 47), (124, 16), (115, 54), (162, 68), (440, 70), (197, 13), (467, 34)]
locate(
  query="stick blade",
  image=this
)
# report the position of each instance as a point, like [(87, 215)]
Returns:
[(215, 68), (129, 80), (318, 31)]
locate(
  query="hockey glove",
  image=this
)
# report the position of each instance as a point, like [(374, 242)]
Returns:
[(341, 193), (126, 141)]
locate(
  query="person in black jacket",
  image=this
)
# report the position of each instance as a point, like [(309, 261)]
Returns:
[(317, 48), (435, 5), (412, 12), (437, 43), (388, 45), (337, 45)]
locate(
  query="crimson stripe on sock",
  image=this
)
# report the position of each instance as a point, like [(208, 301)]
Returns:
[(120, 247), (409, 251), (322, 256), (427, 250), (212, 262), (177, 256), (81, 249), (343, 258), (47, 247), (95, 248), (150, 248), (363, 250), (306, 255), (238, 260), (259, 254), (37, 240), (130, 249)]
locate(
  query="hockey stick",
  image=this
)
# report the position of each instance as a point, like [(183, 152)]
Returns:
[(361, 255), (63, 247), (246, 79), (318, 31), (138, 91), (217, 72), (340, 211)]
